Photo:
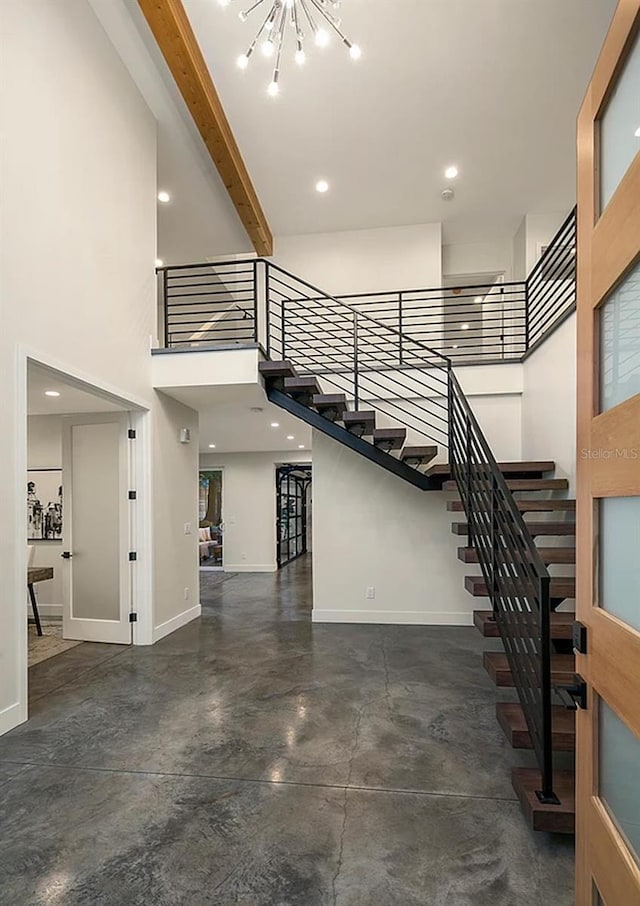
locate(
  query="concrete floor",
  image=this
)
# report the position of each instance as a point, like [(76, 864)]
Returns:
[(255, 759)]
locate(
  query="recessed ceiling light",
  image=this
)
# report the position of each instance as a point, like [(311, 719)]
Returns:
[(290, 437), (464, 327), (164, 197), (451, 172), (159, 262), (478, 299), (275, 424), (322, 186), (212, 446), (455, 345), (51, 393), (300, 446), (637, 132)]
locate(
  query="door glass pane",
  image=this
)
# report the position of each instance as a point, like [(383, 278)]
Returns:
[(620, 127), (619, 772), (620, 558), (95, 521), (620, 342)]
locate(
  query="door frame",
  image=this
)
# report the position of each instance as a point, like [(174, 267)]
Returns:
[(601, 852), (142, 582), (222, 522)]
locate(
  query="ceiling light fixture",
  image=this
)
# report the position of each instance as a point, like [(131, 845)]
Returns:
[(164, 197), (51, 393), (478, 299), (212, 446), (300, 446), (451, 172), (290, 437), (322, 186), (316, 15), (464, 327), (159, 262), (275, 424)]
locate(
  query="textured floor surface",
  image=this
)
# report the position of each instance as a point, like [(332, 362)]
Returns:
[(49, 644), (256, 759)]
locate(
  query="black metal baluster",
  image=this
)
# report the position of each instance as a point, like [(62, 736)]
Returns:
[(356, 381), (400, 328), (283, 327)]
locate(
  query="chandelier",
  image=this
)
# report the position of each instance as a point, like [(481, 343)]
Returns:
[(292, 17)]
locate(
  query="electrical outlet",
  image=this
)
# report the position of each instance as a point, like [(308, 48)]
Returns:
[(243, 556), (187, 528), (371, 592), (186, 594)]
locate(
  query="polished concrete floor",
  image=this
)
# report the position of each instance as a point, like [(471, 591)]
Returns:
[(253, 758)]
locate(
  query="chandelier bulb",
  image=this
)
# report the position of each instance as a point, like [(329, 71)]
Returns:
[(354, 52), (322, 37), (300, 56), (267, 48), (243, 61), (273, 90)]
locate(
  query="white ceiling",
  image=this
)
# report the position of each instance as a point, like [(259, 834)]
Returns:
[(493, 86), (227, 421), (72, 398)]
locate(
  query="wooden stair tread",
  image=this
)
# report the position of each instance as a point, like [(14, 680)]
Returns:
[(535, 528), (277, 369), (560, 586), (511, 718), (359, 422), (419, 455), (525, 506), (561, 624), (331, 405), (558, 819), (307, 385), (547, 554), (443, 468), (523, 484), (496, 664), (389, 438)]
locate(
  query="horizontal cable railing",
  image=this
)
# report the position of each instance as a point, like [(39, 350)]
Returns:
[(355, 354), (518, 582), (551, 285)]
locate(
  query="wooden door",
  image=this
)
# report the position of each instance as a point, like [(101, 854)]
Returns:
[(608, 485)]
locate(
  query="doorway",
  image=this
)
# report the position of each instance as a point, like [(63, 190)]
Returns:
[(79, 515), (293, 512), (211, 523)]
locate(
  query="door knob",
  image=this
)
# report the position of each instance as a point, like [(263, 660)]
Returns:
[(66, 555)]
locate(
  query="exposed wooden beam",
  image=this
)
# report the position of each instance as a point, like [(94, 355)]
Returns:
[(172, 30)]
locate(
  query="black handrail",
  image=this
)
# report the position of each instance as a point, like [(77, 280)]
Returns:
[(517, 580)]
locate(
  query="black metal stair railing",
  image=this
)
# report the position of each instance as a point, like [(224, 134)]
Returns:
[(374, 365), (517, 580)]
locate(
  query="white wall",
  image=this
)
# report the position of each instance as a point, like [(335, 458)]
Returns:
[(175, 503), (44, 451), (535, 231), (249, 506), (371, 528), (478, 258), (549, 402), (77, 240), (363, 261)]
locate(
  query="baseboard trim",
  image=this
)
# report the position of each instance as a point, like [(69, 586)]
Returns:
[(400, 617), (250, 567), (11, 717), (177, 622)]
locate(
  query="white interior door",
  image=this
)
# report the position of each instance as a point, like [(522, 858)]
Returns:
[(96, 533)]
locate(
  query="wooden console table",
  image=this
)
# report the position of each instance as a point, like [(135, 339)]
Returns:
[(37, 574)]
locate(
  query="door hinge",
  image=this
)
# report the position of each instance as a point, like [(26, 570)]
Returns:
[(133, 555), (580, 637), (133, 617), (131, 433), (574, 696), (133, 495)]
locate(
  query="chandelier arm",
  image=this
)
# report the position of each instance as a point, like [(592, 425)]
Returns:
[(247, 12), (296, 26), (312, 24), (281, 31), (328, 18), (260, 30)]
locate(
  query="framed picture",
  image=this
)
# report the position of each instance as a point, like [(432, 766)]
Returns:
[(44, 505)]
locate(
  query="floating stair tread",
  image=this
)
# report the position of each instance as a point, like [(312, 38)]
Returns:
[(303, 386), (524, 484), (514, 724), (277, 370), (519, 468), (363, 421), (420, 454), (525, 506), (559, 819), (535, 528), (497, 666), (547, 554), (561, 624), (560, 586), (335, 403), (389, 438)]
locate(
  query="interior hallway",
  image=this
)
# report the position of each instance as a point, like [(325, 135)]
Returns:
[(254, 758)]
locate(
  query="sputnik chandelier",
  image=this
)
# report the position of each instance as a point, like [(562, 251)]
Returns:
[(297, 15)]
